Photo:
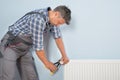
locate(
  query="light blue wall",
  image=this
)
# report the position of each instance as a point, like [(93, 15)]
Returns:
[(94, 32)]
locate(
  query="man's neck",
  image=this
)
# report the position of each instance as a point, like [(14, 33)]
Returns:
[(50, 13)]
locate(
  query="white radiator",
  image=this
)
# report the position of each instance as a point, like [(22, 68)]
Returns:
[(92, 70)]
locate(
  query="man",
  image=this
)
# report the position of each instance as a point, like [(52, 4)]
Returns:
[(27, 32)]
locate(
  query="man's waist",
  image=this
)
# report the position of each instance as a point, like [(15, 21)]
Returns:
[(19, 38)]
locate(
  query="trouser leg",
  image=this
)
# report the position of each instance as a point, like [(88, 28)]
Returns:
[(9, 70), (8, 66), (27, 67)]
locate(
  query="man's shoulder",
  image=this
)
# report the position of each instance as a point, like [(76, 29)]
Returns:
[(41, 14)]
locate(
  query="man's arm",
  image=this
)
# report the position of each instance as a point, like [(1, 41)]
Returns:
[(41, 55), (60, 45)]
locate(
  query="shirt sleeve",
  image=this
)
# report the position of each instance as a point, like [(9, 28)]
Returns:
[(37, 32), (56, 32)]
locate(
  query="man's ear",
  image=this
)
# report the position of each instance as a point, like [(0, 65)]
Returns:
[(56, 13)]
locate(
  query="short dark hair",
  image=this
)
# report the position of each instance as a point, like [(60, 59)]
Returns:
[(65, 13)]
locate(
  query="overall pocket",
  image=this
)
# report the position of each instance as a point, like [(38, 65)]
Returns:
[(20, 47)]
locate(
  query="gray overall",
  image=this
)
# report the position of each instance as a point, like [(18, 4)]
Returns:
[(16, 61)]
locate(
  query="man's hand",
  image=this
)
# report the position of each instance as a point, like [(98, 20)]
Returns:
[(65, 60), (51, 66)]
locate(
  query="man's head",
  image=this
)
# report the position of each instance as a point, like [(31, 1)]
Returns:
[(60, 15)]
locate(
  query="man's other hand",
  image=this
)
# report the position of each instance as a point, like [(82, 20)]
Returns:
[(65, 60), (51, 66)]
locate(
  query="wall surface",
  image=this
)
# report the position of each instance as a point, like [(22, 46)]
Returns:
[(94, 32)]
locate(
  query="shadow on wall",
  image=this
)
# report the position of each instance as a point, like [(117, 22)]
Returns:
[(47, 44)]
